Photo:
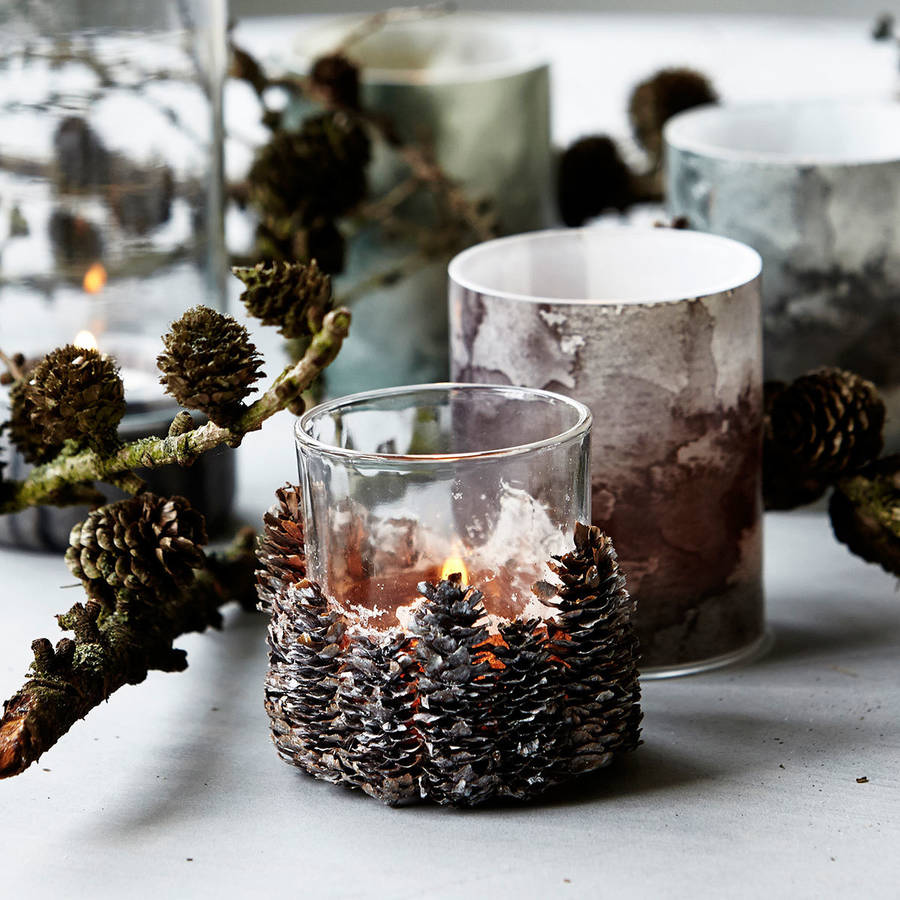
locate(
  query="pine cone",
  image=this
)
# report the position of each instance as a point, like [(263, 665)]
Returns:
[(654, 101), (377, 698), (865, 513), (592, 177), (143, 544), (595, 639), (209, 364), (528, 709), (280, 552), (302, 681), (294, 296), (72, 394), (825, 424), (455, 693), (27, 439), (335, 80), (319, 171)]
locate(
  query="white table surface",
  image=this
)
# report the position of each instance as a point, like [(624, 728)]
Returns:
[(746, 785)]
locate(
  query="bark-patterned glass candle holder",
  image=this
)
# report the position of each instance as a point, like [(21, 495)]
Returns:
[(657, 330), (444, 624), (814, 186)]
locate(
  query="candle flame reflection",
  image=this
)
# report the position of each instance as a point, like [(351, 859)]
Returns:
[(85, 340), (454, 565), (94, 279)]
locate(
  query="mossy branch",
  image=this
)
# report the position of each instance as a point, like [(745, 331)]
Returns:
[(113, 647), (64, 480)]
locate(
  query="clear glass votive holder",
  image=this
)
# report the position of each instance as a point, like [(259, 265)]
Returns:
[(412, 484), (657, 330)]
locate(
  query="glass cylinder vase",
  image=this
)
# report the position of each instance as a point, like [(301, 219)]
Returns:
[(111, 204), (657, 331)]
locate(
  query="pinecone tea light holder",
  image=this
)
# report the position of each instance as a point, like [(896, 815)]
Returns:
[(657, 331), (444, 625)]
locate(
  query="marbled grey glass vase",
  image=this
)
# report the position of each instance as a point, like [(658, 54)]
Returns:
[(478, 96), (657, 331), (815, 187)]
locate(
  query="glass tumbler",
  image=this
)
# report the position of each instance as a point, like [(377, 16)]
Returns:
[(111, 204), (413, 484)]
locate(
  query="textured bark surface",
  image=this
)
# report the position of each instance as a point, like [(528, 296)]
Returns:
[(676, 396)]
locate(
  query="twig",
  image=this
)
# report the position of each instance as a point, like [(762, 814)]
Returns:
[(384, 277), (47, 484), (378, 20), (113, 648), (12, 366)]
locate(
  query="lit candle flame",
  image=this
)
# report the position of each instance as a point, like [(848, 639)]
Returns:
[(454, 565), (94, 279), (85, 340)]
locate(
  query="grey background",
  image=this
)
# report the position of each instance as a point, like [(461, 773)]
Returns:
[(856, 8)]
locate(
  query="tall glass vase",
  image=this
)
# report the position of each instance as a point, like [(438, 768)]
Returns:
[(110, 202)]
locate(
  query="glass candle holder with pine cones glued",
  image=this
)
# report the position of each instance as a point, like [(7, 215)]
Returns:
[(443, 624)]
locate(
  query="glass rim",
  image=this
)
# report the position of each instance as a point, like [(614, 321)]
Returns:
[(684, 132), (752, 260), (579, 428)]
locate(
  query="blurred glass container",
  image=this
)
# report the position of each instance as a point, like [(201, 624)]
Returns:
[(111, 203), (479, 99)]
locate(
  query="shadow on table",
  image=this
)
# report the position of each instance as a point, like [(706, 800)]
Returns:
[(201, 762), (830, 639)]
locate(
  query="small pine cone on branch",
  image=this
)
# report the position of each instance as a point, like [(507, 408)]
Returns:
[(654, 101), (595, 640), (302, 681), (28, 440), (455, 694), (823, 425), (144, 544), (528, 709), (209, 364), (334, 80), (280, 552), (294, 296), (318, 171), (72, 394), (865, 513), (377, 698)]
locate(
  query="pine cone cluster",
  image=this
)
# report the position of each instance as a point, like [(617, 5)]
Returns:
[(455, 717), (865, 513), (144, 544), (317, 171), (280, 553), (72, 394), (377, 699), (595, 613), (654, 101), (823, 425), (446, 711), (209, 364), (294, 296), (302, 680)]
